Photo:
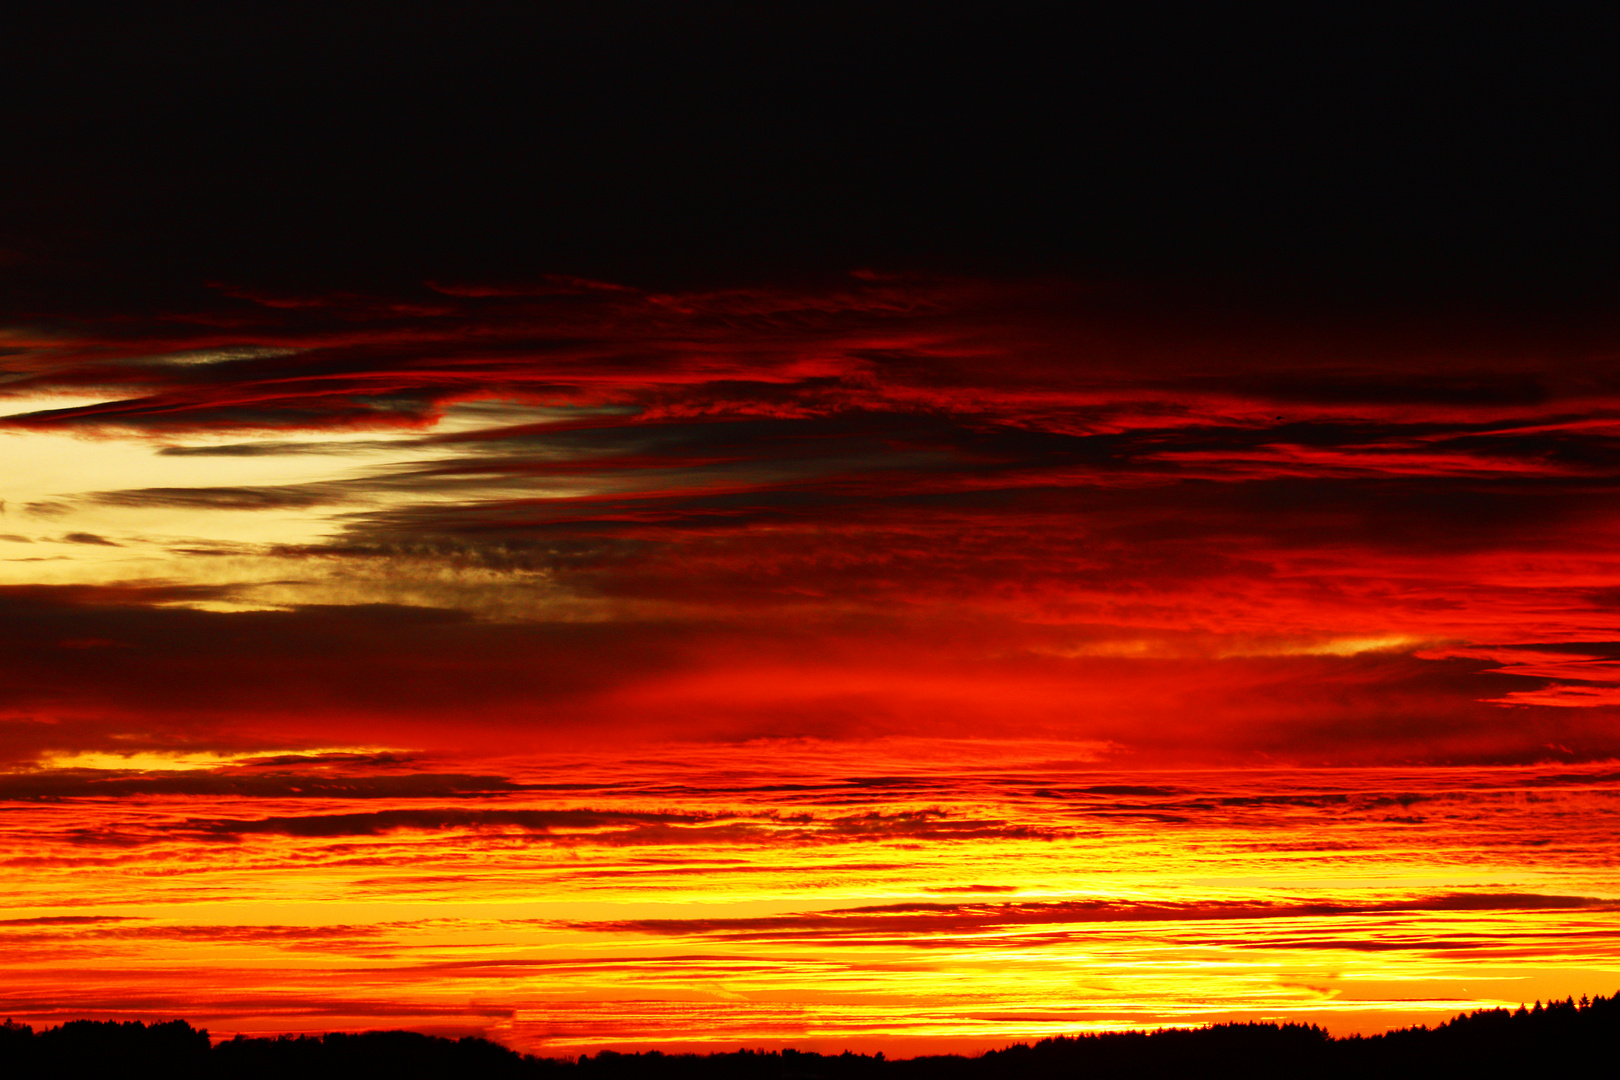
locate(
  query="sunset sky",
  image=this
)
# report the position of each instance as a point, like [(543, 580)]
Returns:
[(851, 530)]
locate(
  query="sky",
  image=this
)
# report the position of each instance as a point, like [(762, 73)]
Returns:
[(860, 529)]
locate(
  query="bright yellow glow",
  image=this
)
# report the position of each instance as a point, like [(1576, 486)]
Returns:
[(149, 513), (1348, 646), (179, 760), (791, 905), (1150, 648)]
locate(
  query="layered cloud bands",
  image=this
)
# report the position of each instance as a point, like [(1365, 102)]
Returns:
[(967, 895), (295, 590)]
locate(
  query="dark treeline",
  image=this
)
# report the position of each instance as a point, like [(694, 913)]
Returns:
[(1562, 1038)]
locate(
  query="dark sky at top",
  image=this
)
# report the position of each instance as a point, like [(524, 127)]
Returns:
[(1358, 152)]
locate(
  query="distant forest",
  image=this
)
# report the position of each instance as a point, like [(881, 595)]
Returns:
[(1560, 1039)]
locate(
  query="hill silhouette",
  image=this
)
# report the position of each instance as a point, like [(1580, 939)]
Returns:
[(1562, 1038)]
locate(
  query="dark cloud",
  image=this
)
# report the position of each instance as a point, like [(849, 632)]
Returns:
[(113, 929), (1506, 389), (166, 677), (88, 538), (329, 759), (271, 449), (100, 783), (545, 822), (904, 920), (287, 497), (921, 346), (138, 594), (1127, 789), (175, 672), (616, 828), (69, 920)]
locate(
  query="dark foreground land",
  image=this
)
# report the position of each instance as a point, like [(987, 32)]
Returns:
[(1563, 1039)]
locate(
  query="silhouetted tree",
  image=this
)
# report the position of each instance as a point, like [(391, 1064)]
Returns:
[(1559, 1038)]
